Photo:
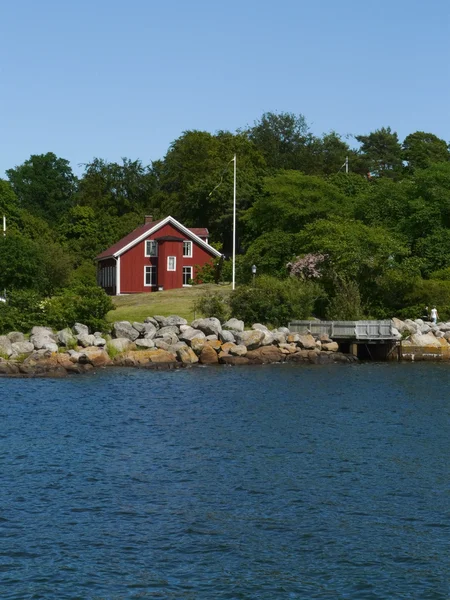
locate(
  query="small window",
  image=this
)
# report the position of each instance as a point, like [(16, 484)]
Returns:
[(171, 263), (187, 276), (149, 275), (151, 248), (187, 249)]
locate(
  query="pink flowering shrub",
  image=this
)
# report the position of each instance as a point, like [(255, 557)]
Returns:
[(307, 267)]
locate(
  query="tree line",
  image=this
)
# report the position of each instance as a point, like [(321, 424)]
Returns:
[(382, 229)]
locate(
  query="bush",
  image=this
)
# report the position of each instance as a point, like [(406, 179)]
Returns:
[(212, 304), (86, 304), (274, 301), (23, 310), (345, 304)]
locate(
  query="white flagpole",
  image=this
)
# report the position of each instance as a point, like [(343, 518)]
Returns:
[(234, 226)]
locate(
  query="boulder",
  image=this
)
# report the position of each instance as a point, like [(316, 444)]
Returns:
[(149, 331), (97, 357), (152, 321), (234, 325), (439, 334), (226, 336), (124, 329), (169, 338), (16, 336), (226, 347), (144, 343), (409, 326), (197, 344), (208, 356), (209, 326), (324, 337), (7, 368), (190, 334), (85, 340), (169, 330), (162, 344), (447, 335), (422, 340), (266, 354), (65, 337), (159, 319), (121, 344), (292, 338), (22, 348), (80, 328), (268, 338), (306, 341), (330, 347), (259, 327), (38, 330), (228, 359), (214, 344), (99, 341), (44, 340), (284, 330), (289, 348), (6, 346), (442, 327), (279, 337), (237, 350), (144, 357), (173, 320), (140, 327), (212, 337), (187, 356), (250, 339)]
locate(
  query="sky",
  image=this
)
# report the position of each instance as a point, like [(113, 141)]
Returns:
[(110, 79)]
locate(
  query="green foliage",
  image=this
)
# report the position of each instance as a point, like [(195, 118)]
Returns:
[(345, 304), (82, 303), (421, 150), (212, 304), (383, 152), (270, 253), (206, 273), (23, 310), (428, 293), (274, 301)]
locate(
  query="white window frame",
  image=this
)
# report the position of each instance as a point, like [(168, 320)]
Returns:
[(174, 263), (189, 255), (152, 270), (191, 276), (155, 243)]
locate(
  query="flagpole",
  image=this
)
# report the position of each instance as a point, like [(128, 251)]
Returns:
[(234, 226)]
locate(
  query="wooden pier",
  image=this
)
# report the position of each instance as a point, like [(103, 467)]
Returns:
[(372, 340)]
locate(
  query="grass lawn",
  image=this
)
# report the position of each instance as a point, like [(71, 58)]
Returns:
[(136, 307)]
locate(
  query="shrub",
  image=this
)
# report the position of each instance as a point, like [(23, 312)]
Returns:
[(345, 304), (212, 304), (22, 310), (274, 301)]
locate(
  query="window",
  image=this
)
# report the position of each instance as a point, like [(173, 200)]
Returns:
[(187, 275), (151, 248), (187, 249), (149, 275), (171, 263)]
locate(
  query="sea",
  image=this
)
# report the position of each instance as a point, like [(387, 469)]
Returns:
[(251, 483)]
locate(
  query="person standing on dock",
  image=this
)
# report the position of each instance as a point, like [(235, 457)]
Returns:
[(434, 315)]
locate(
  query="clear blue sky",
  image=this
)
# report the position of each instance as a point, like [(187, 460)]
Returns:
[(110, 79)]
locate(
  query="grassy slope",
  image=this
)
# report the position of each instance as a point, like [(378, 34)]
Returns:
[(136, 307)]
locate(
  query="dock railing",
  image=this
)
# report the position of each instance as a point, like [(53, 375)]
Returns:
[(351, 330)]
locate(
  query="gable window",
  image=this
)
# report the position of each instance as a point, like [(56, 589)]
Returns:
[(149, 275), (187, 276), (187, 249), (151, 248), (171, 263)]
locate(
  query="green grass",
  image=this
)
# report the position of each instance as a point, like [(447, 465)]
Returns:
[(136, 307)]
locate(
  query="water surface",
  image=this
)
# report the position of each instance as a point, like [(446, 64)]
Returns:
[(214, 483)]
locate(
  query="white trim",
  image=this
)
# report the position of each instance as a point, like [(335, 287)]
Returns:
[(175, 223), (156, 248), (118, 276), (145, 275), (174, 263), (190, 249)]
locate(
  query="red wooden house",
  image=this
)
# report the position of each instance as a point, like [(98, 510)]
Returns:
[(155, 256)]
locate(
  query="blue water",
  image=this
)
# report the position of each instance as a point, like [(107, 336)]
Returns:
[(277, 482)]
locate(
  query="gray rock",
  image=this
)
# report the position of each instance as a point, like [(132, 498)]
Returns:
[(51, 346), (260, 327), (442, 326), (5, 346), (169, 338), (99, 342), (140, 327), (40, 340), (398, 324), (159, 319), (161, 343), (22, 347), (279, 337), (38, 330), (168, 330), (152, 321), (284, 330), (186, 355), (65, 337), (149, 331), (238, 350), (418, 322), (85, 340), (226, 336), (174, 320), (16, 336), (144, 343), (209, 326), (428, 339), (423, 328), (80, 328), (268, 339), (250, 339), (184, 328), (190, 334), (307, 341), (212, 337), (98, 334), (121, 344), (396, 333), (439, 334), (124, 329), (409, 326), (234, 325)]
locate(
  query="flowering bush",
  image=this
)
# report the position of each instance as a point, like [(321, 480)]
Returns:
[(307, 267)]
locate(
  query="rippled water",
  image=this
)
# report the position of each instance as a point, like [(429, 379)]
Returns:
[(247, 483)]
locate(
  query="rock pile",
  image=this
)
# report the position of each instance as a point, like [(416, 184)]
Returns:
[(421, 338), (159, 341)]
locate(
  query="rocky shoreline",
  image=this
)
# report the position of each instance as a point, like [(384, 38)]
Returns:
[(159, 343)]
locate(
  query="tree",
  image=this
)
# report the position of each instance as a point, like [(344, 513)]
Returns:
[(383, 152), (44, 185), (421, 150)]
